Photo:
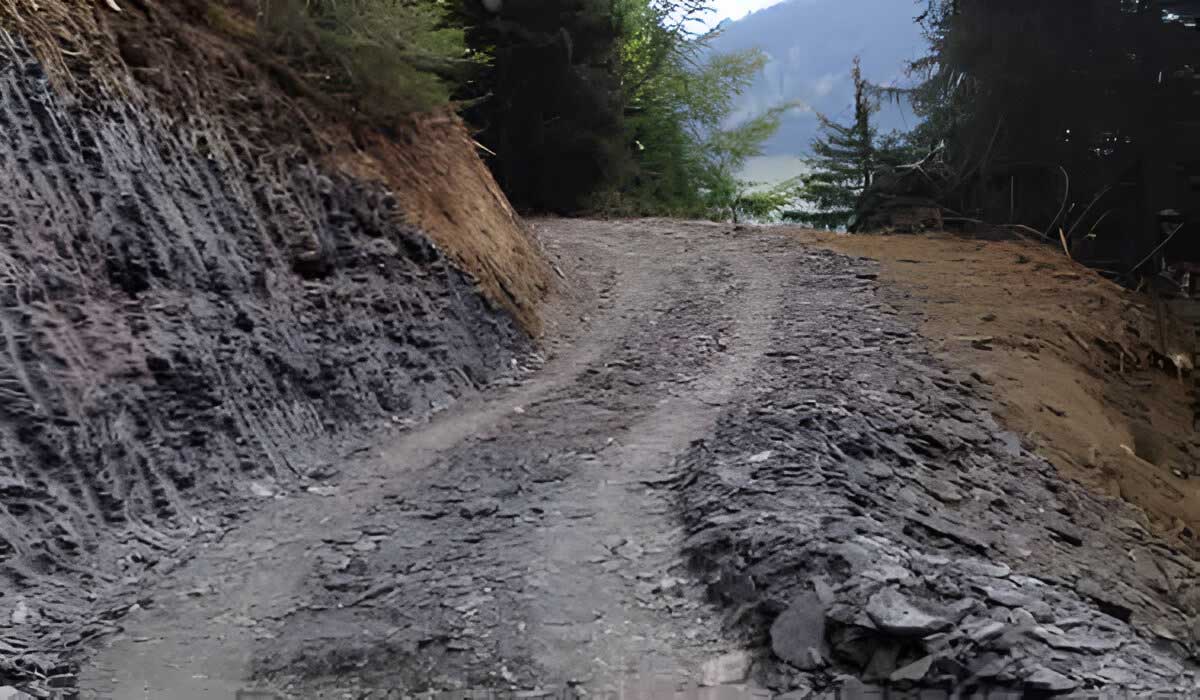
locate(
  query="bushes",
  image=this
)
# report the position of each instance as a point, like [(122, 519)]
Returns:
[(610, 105), (386, 57), (679, 97)]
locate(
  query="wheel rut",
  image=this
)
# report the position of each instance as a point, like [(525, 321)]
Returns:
[(742, 454), (516, 539)]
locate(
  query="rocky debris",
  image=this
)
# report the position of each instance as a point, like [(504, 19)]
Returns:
[(445, 600), (798, 634), (895, 614), (729, 668), (950, 554), (1042, 678), (20, 613), (846, 517), (193, 320)]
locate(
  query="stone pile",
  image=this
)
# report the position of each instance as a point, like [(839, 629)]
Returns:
[(867, 517)]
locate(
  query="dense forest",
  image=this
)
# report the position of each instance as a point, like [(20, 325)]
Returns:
[(1075, 122), (610, 105), (1078, 122), (615, 106)]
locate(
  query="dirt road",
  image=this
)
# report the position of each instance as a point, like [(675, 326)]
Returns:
[(739, 453)]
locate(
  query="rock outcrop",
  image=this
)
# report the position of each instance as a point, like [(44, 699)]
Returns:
[(195, 312)]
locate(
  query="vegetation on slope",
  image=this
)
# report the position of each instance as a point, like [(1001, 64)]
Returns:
[(388, 58), (612, 105)]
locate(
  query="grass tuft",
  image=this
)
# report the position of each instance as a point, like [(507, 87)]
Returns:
[(388, 58)]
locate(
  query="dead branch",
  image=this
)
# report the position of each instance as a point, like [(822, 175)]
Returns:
[(1082, 216), (1030, 229), (1063, 208), (1157, 248)]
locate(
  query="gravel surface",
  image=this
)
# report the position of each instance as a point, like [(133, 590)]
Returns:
[(740, 465)]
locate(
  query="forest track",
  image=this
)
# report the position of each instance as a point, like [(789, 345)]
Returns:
[(610, 518), (677, 321)]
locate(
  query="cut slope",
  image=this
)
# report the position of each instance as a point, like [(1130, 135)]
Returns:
[(199, 63), (203, 299)]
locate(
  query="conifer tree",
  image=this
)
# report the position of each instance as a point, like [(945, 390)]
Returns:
[(844, 158)]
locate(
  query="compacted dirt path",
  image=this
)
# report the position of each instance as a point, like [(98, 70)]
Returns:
[(622, 516), (516, 527)]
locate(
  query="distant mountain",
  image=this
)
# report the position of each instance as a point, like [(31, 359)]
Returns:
[(810, 45)]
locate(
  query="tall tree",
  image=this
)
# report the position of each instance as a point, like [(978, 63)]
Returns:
[(685, 153), (550, 105), (610, 104), (1064, 116), (843, 161), (381, 59)]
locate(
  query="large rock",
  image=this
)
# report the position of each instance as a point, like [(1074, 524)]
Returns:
[(901, 616), (798, 634), (914, 672)]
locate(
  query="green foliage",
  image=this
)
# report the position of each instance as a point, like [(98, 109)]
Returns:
[(845, 158), (895, 148), (679, 97), (726, 151), (763, 204), (387, 57), (944, 96), (617, 105)]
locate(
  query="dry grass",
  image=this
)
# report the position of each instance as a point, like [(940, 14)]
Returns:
[(446, 191), (68, 38)]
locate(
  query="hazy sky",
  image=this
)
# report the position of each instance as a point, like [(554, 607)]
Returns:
[(736, 9)]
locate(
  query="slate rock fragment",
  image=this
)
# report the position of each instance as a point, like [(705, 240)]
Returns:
[(899, 615), (798, 634)]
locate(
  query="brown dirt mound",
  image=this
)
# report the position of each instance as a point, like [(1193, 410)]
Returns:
[(1069, 354)]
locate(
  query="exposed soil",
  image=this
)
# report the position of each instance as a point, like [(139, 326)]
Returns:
[(1074, 358), (742, 461), (444, 190)]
